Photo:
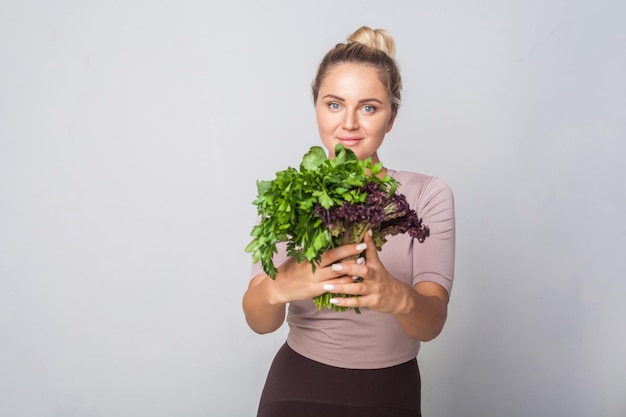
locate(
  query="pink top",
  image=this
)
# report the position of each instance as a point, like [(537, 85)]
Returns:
[(373, 340)]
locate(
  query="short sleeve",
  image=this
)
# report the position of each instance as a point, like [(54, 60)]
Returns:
[(433, 260)]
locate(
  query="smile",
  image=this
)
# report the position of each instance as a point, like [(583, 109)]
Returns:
[(349, 141)]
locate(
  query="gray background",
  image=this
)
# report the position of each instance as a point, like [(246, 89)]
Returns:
[(131, 136)]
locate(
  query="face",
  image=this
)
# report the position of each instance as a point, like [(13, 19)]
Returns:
[(354, 109)]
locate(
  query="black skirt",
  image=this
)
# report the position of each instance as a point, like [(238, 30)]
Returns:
[(300, 387)]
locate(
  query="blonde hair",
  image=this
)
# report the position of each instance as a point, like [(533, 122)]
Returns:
[(375, 38), (366, 46)]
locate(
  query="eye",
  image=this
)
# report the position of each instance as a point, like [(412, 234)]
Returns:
[(334, 106), (368, 108)]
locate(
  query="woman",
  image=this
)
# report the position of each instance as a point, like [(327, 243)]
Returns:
[(339, 364)]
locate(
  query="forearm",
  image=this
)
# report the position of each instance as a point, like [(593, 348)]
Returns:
[(423, 311), (263, 313)]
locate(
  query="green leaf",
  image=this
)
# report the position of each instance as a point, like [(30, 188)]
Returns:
[(286, 206), (313, 158), (263, 186)]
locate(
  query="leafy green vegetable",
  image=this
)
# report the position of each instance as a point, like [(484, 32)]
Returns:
[(327, 203)]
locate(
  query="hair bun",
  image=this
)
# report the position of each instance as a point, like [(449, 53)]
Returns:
[(375, 38)]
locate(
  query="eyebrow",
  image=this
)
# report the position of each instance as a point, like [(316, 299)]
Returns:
[(365, 100)]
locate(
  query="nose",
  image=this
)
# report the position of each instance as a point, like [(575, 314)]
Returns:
[(350, 121)]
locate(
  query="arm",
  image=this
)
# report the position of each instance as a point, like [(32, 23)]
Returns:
[(421, 310), (265, 300), (263, 312), (424, 312)]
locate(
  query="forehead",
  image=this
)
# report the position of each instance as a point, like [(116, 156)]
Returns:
[(353, 79)]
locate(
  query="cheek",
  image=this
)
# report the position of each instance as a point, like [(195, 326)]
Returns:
[(325, 123), (377, 129), (385, 126), (319, 119)]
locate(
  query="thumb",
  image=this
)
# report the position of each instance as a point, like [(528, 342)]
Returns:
[(371, 253)]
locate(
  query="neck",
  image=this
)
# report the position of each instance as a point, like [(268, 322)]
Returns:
[(381, 174)]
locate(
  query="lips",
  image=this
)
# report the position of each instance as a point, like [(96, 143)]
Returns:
[(349, 141)]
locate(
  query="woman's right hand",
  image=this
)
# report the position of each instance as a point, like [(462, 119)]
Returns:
[(265, 300), (297, 281)]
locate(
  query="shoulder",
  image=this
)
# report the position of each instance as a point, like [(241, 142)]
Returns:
[(414, 184), (432, 199)]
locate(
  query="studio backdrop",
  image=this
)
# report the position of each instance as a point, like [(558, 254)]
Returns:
[(132, 134)]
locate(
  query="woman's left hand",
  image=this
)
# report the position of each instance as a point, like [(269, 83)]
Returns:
[(420, 310), (378, 290)]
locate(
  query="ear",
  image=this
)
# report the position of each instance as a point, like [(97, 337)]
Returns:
[(391, 120)]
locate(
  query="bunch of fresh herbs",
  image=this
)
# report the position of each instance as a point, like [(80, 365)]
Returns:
[(325, 204)]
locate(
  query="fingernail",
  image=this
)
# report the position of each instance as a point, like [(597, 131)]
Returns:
[(361, 246), (328, 287), (360, 261), (333, 301), (369, 232), (337, 267)]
